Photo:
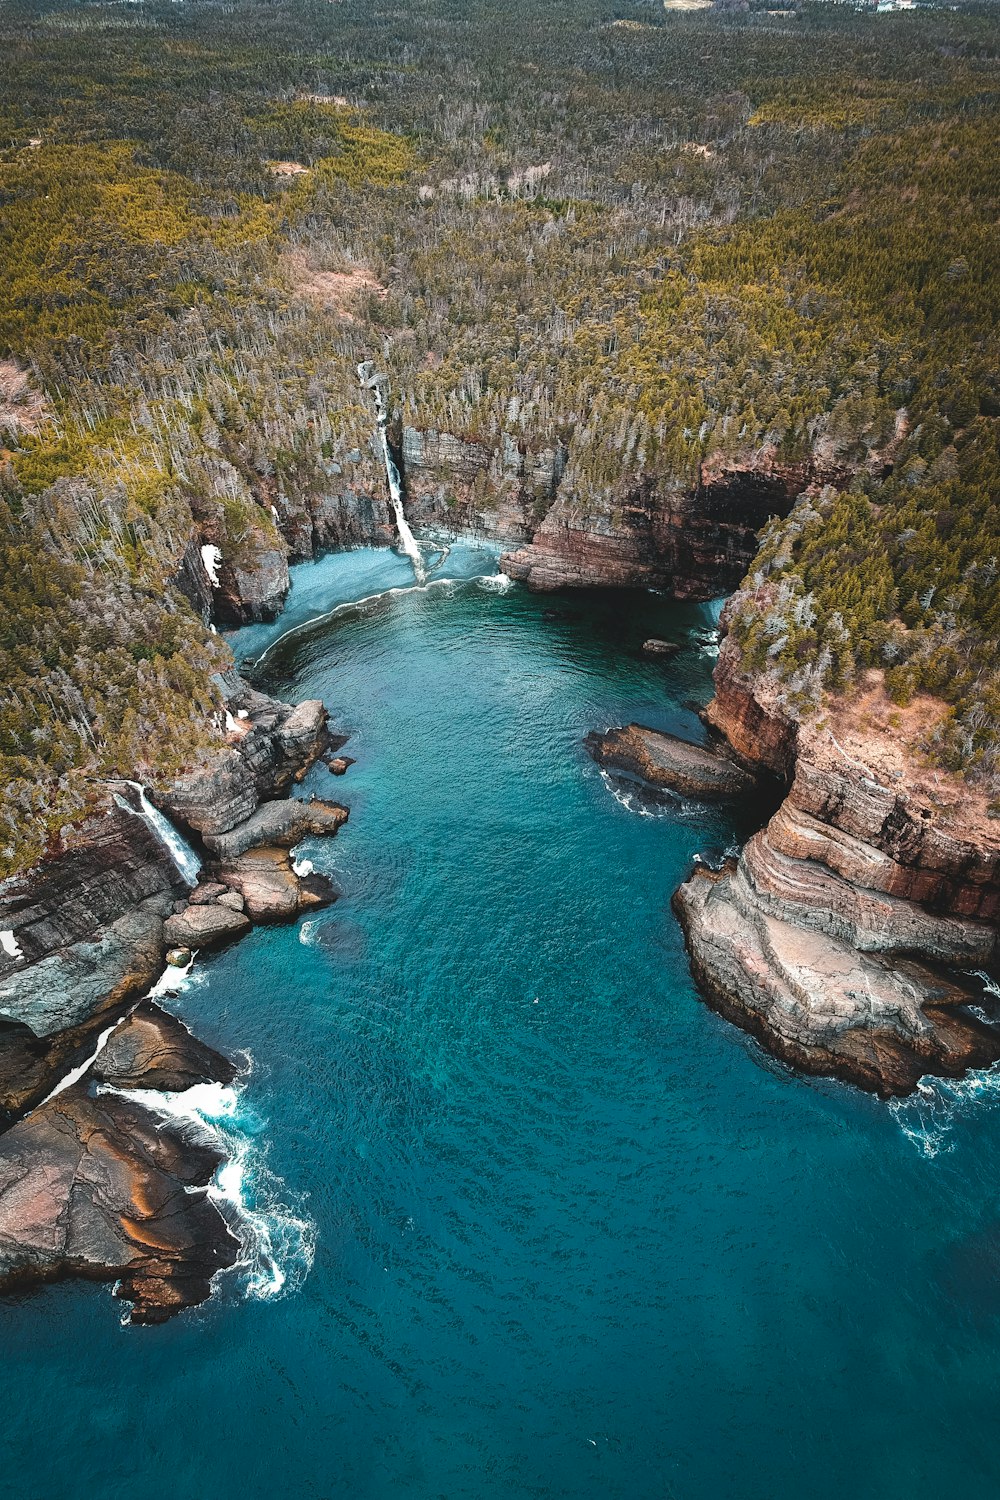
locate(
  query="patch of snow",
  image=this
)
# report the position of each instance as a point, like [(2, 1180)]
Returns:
[(211, 558), (10, 945)]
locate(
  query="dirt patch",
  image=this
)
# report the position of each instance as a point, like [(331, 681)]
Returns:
[(287, 168), (870, 731), (338, 290), (23, 408)]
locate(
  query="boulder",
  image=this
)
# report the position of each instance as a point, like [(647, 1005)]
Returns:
[(656, 647), (204, 894), (270, 888), (670, 763), (205, 927), (279, 824), (152, 1049), (106, 1189)]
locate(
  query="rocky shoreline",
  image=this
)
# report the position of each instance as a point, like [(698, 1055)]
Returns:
[(93, 1183), (844, 935)]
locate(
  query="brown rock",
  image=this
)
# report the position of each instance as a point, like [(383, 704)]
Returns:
[(152, 1049), (339, 764), (204, 894), (818, 939), (104, 1189), (671, 763), (271, 889), (279, 824), (205, 927)]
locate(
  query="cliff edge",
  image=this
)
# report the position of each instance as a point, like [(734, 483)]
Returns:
[(845, 936)]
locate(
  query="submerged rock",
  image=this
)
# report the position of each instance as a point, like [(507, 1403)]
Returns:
[(670, 763)]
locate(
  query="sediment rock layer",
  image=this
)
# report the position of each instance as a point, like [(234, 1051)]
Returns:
[(93, 1184), (694, 542), (826, 939), (103, 1187)]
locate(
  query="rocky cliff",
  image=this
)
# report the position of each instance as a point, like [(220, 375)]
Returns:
[(843, 936), (91, 1183), (695, 542)]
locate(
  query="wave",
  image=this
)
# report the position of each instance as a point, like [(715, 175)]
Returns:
[(928, 1116), (348, 606), (277, 1242), (648, 801), (495, 583)]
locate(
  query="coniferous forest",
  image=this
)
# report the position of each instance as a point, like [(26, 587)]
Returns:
[(649, 236)]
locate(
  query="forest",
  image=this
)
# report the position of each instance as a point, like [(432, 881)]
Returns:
[(652, 235)]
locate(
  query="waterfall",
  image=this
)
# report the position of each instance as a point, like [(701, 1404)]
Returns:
[(373, 382), (406, 536), (188, 863)]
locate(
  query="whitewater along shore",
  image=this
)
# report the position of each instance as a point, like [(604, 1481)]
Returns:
[(93, 1183), (847, 935)]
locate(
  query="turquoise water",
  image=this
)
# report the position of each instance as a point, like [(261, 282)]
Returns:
[(570, 1234)]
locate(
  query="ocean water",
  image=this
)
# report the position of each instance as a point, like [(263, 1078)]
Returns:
[(525, 1218)]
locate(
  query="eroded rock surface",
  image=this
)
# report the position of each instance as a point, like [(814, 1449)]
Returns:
[(101, 1187), (671, 763), (694, 542), (825, 939), (93, 1184)]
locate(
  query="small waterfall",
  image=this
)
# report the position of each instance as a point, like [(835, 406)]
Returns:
[(371, 381), (188, 863)]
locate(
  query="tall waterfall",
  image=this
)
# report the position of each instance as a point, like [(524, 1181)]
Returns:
[(406, 536), (373, 382), (188, 863)]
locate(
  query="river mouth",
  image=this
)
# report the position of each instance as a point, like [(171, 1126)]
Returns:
[(566, 1235)]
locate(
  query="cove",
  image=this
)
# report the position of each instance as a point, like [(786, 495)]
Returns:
[(570, 1234)]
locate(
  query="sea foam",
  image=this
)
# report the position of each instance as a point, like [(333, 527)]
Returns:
[(277, 1242)]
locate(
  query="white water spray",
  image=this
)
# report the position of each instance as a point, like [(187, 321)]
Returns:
[(277, 1244), (406, 537), (373, 382), (188, 863)]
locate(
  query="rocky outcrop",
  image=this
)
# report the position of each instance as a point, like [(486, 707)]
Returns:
[(670, 763), (269, 746), (152, 1049), (270, 887), (498, 488), (93, 1184), (831, 938), (282, 823), (104, 1188), (693, 542), (205, 927)]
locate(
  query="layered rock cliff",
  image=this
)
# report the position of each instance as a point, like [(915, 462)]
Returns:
[(843, 935), (93, 1184), (695, 542)]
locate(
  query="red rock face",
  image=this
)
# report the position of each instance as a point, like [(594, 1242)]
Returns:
[(818, 939), (695, 543)]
